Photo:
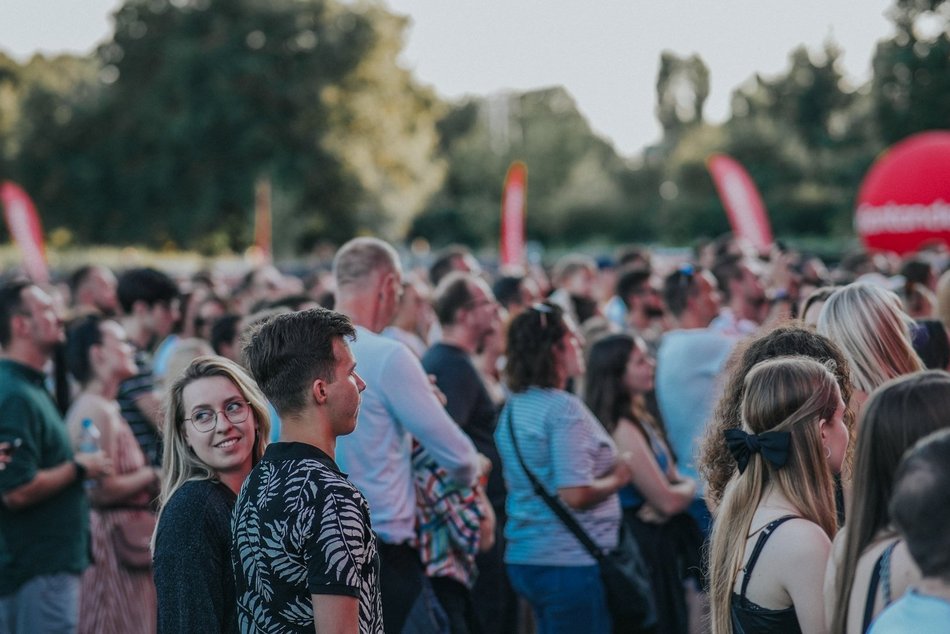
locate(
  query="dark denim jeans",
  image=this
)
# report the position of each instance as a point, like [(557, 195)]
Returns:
[(565, 599)]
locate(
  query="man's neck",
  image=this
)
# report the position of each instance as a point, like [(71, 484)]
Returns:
[(305, 429), (690, 321), (29, 356), (361, 311), (458, 337)]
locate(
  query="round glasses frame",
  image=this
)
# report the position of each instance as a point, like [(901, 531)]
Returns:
[(235, 418)]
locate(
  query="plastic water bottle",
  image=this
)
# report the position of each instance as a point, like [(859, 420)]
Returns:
[(88, 443)]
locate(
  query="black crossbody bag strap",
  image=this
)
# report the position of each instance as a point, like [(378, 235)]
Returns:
[(554, 503)]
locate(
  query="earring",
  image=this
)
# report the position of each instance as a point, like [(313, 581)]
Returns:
[(827, 452)]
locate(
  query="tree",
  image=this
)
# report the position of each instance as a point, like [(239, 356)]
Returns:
[(682, 86), (911, 84), (576, 182)]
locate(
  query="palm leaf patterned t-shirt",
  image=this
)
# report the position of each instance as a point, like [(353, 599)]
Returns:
[(301, 528)]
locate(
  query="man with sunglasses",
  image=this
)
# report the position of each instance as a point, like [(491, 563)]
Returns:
[(689, 362)]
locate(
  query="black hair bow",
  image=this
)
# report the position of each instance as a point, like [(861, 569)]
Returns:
[(773, 445)]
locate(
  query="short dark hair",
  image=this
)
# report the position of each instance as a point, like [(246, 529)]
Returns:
[(11, 303), (443, 263), (630, 280), (452, 294), (286, 353), (679, 286), (920, 505), (532, 336), (78, 278), (507, 290), (224, 330), (929, 337), (81, 335), (145, 285)]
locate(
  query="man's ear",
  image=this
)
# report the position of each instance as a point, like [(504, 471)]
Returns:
[(319, 391), (18, 325)]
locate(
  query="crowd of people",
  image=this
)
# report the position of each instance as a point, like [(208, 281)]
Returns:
[(444, 448)]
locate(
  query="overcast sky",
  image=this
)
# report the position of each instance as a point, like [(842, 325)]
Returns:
[(605, 52)]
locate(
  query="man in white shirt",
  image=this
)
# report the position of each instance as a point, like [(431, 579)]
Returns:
[(399, 404)]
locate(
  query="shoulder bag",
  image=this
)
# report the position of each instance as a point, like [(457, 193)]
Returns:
[(623, 572)]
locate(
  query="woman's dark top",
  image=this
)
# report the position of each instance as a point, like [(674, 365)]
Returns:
[(880, 576), (192, 560), (747, 617)]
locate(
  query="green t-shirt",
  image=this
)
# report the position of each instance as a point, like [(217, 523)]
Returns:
[(51, 536)]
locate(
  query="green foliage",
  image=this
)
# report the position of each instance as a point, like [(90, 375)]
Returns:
[(682, 86), (159, 137), (191, 102), (577, 185)]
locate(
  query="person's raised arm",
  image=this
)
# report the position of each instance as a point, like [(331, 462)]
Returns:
[(112, 488)]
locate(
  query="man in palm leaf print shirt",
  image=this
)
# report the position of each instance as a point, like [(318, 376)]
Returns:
[(304, 552)]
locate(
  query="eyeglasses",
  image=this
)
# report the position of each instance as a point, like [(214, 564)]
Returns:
[(205, 420)]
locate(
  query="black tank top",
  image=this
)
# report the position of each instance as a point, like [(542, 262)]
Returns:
[(750, 618), (880, 577)]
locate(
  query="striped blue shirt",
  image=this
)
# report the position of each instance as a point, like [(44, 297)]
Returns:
[(564, 446)]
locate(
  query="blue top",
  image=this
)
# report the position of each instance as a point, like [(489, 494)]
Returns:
[(630, 496), (688, 367), (563, 445), (914, 613)]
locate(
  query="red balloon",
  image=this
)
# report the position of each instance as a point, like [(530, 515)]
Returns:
[(904, 201)]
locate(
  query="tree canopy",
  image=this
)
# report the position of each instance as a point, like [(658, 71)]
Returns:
[(158, 137)]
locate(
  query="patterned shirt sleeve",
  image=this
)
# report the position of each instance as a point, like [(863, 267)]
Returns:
[(336, 542)]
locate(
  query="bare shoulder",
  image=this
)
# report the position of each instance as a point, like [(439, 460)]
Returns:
[(802, 542)]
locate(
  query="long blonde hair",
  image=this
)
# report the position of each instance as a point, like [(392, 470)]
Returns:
[(787, 394), (179, 463), (873, 331)]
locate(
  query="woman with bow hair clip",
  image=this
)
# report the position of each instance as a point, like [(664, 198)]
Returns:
[(781, 500)]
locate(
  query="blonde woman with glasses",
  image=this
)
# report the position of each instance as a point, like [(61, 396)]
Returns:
[(216, 428)]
